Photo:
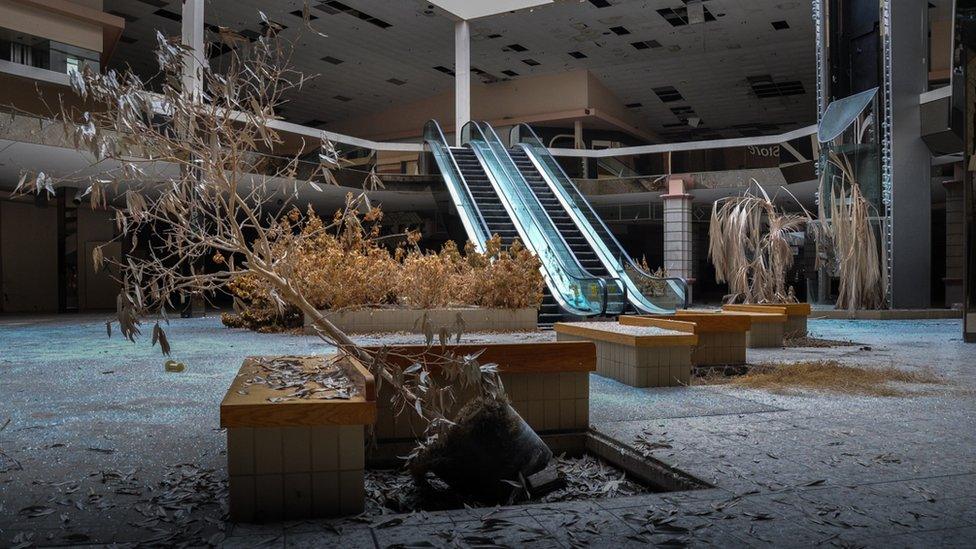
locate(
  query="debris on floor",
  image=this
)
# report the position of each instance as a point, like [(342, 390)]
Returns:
[(585, 477)]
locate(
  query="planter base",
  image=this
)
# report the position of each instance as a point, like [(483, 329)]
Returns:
[(297, 458), (371, 321)]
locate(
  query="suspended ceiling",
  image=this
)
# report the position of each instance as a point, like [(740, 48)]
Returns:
[(747, 69)]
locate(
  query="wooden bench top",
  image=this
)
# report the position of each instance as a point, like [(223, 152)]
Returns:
[(251, 405), (522, 358), (693, 323), (770, 314), (792, 309), (625, 334)]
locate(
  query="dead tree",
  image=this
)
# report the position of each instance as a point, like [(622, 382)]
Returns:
[(196, 169)]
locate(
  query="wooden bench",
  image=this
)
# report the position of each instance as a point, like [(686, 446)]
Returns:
[(547, 383), (796, 315), (721, 337), (767, 326), (295, 458), (639, 356)]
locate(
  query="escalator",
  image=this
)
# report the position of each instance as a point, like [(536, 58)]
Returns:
[(582, 250), (593, 242), (481, 180), (485, 198), (497, 219)]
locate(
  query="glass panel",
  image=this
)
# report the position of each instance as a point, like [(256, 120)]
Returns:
[(842, 113), (648, 293), (857, 145)]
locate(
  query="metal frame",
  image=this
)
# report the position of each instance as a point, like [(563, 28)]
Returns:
[(820, 20), (886, 164)]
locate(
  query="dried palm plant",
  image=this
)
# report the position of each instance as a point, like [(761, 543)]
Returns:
[(749, 247), (185, 168), (845, 234)]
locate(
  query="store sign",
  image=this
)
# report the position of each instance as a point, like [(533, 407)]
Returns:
[(762, 156)]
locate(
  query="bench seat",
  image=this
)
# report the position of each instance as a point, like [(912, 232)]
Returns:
[(796, 315), (767, 326), (640, 356), (721, 337), (547, 383)]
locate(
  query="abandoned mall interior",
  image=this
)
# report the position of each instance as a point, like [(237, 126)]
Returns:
[(471, 273)]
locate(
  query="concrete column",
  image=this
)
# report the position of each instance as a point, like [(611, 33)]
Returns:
[(677, 229), (462, 77), (193, 37), (911, 195), (578, 144), (193, 62)]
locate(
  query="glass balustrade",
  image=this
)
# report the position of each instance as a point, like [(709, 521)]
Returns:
[(471, 218)]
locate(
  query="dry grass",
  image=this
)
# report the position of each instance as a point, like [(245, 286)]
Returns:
[(806, 341), (827, 376)]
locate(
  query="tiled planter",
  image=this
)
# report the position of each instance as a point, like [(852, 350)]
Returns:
[(548, 384), (721, 337), (796, 315), (296, 459), (765, 333), (366, 321), (636, 355)]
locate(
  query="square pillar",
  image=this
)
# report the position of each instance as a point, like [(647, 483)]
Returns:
[(192, 37), (678, 259), (911, 191), (462, 77)]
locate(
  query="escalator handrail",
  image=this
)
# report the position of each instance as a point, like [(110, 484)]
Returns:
[(536, 199), (608, 278), (434, 126), (514, 138), (488, 129), (557, 295)]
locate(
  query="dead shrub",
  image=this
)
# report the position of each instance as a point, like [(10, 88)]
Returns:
[(428, 279), (348, 268), (502, 278), (846, 234), (651, 287), (260, 313)]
